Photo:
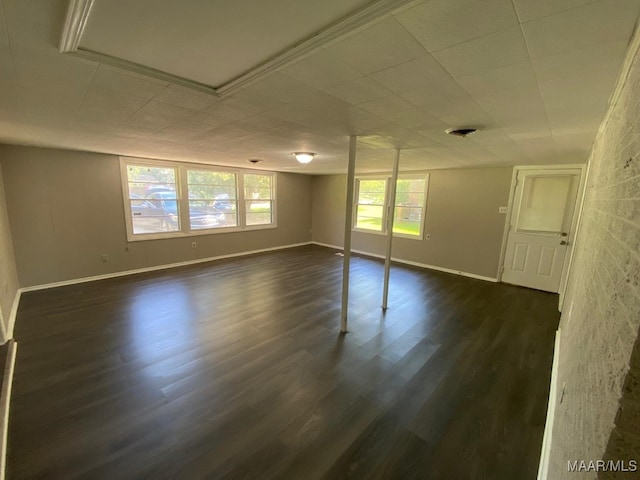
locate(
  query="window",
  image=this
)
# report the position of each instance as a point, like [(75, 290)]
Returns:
[(372, 198), (213, 201), (258, 197), (152, 199), (410, 204), (165, 199), (370, 203)]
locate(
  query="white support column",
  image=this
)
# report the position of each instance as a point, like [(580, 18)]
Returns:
[(390, 215), (347, 232)]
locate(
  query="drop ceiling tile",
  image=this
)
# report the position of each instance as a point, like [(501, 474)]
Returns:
[(444, 105), (221, 109), (35, 24), (485, 53), (528, 10), (9, 95), (4, 35), (282, 88), (598, 23), (125, 82), (380, 46), (187, 128), (608, 56), (186, 97), (387, 106), (105, 100), (210, 119), (57, 67), (497, 79), (421, 72), (359, 91), (157, 115), (95, 122), (439, 24), (509, 105), (135, 131), (41, 97), (476, 119), (322, 71), (574, 142), (538, 149), (507, 152), (252, 101)]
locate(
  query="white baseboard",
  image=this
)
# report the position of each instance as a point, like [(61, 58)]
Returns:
[(14, 312), (158, 267), (414, 264), (7, 384), (543, 469)]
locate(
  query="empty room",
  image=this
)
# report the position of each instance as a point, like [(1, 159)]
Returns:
[(367, 239)]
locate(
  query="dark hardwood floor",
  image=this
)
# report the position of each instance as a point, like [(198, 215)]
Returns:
[(236, 369)]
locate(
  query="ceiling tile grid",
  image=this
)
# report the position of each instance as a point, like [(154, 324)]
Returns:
[(533, 77)]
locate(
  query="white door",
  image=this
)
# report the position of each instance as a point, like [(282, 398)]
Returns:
[(539, 229)]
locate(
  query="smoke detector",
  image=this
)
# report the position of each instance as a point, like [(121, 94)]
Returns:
[(460, 132), (254, 160)]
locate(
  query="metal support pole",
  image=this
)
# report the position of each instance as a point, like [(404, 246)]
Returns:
[(347, 231), (390, 215)]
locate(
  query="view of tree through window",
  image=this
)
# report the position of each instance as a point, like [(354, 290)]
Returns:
[(407, 218), (371, 200), (258, 196), (370, 204), (213, 199)]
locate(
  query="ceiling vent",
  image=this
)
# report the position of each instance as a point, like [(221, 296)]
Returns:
[(460, 132)]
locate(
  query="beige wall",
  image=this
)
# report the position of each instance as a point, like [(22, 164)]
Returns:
[(462, 218), (601, 315), (8, 275), (66, 210)]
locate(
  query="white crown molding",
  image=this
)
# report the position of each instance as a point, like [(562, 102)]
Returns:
[(78, 13), (347, 25), (137, 68), (74, 24)]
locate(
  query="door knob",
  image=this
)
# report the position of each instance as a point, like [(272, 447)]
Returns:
[(563, 243), (564, 234)]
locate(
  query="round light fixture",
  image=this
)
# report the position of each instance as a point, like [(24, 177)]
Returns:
[(304, 157)]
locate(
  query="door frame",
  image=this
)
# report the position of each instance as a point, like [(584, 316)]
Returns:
[(577, 214)]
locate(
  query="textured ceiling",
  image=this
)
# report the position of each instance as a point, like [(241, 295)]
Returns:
[(533, 76)]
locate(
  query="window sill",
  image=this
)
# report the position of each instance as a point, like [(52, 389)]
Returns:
[(384, 234), (140, 237)]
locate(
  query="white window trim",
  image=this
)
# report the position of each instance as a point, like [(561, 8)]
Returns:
[(385, 210), (182, 190)]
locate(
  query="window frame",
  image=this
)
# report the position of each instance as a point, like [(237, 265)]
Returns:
[(182, 197), (385, 210)]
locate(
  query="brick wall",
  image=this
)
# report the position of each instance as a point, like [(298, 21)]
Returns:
[(601, 317)]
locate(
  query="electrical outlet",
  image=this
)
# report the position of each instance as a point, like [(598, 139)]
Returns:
[(502, 209), (104, 258), (428, 236), (193, 245)]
